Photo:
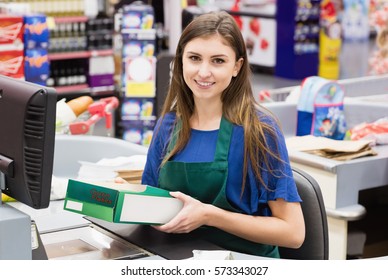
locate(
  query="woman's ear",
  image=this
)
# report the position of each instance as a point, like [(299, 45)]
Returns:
[(237, 66)]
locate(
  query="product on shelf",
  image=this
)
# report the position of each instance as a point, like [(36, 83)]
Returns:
[(99, 33), (36, 42), (138, 131), (36, 66), (101, 71), (137, 62), (11, 46), (137, 108), (298, 25), (68, 37), (67, 73), (140, 76), (81, 55)]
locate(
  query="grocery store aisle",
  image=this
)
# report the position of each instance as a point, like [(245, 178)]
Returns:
[(353, 64)]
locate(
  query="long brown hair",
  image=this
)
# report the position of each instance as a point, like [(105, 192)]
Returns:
[(239, 105)]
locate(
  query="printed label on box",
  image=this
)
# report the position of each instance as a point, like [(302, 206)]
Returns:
[(140, 77)]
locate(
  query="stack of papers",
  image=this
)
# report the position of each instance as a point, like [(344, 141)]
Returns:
[(131, 176), (108, 169), (329, 148)]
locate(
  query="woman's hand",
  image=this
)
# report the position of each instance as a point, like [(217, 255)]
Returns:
[(192, 215)]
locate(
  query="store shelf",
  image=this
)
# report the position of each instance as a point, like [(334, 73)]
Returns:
[(67, 19), (79, 54), (138, 118), (75, 88), (99, 91), (101, 52), (85, 89)]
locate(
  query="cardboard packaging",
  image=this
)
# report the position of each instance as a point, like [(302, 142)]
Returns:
[(121, 203), (12, 63), (11, 46), (138, 42), (140, 76), (36, 32), (138, 131), (11, 30), (36, 66), (138, 16)]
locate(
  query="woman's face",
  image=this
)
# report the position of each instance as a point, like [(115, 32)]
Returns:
[(208, 66)]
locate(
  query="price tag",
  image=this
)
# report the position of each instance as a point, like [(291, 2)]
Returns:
[(50, 23)]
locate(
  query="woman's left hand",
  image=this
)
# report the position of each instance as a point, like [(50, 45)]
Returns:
[(191, 216)]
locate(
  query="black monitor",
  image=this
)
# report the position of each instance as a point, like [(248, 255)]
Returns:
[(27, 137)]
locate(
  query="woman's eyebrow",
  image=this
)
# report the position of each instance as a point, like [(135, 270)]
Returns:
[(216, 55)]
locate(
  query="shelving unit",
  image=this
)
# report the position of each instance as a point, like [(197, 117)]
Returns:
[(282, 37), (73, 36), (84, 88), (79, 54), (297, 32), (138, 72)]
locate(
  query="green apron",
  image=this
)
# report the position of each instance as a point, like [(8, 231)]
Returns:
[(206, 181)]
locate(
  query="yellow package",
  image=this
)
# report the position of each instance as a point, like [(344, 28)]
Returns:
[(6, 198)]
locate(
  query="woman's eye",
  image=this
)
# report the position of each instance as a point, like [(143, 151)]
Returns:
[(194, 58), (218, 61)]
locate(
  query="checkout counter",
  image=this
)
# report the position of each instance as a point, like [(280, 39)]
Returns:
[(341, 181), (67, 235)]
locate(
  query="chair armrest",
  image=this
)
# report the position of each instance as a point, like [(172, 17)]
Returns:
[(348, 213)]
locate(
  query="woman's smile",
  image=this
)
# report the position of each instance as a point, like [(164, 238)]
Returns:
[(204, 85)]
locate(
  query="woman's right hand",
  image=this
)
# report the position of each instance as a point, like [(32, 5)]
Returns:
[(191, 216)]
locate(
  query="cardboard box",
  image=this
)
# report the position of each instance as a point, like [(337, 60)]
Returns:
[(12, 63), (36, 66), (137, 16), (138, 131), (138, 42), (11, 30), (121, 203), (140, 73), (36, 32)]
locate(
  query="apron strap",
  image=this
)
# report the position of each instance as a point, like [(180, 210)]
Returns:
[(174, 136), (223, 141)]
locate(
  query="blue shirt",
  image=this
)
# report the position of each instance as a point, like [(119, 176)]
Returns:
[(201, 148)]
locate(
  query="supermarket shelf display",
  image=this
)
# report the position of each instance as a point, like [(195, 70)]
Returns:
[(137, 39)]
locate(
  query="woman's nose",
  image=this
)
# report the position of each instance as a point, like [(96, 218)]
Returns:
[(204, 70)]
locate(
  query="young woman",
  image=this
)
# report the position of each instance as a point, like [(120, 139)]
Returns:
[(221, 153)]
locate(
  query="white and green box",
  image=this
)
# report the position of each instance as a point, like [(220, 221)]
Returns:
[(121, 203)]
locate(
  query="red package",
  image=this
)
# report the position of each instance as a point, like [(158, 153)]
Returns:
[(11, 31), (12, 64), (377, 131)]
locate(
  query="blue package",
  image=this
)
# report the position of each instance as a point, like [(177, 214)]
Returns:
[(36, 32), (138, 16), (36, 66), (138, 131), (137, 108)]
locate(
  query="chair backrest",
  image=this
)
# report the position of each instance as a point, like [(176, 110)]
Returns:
[(316, 243)]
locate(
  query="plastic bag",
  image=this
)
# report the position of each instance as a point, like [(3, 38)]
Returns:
[(376, 131)]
